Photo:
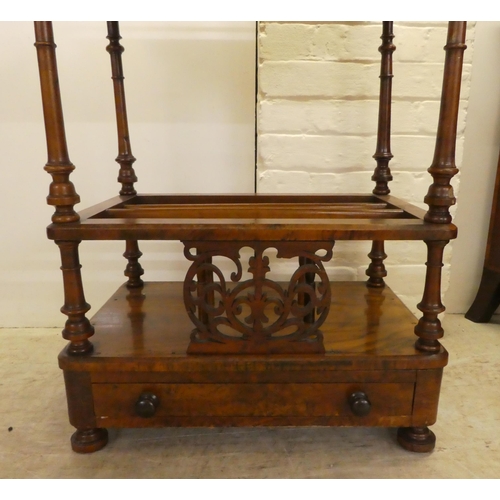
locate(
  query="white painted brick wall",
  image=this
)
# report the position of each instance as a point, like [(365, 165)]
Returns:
[(317, 120)]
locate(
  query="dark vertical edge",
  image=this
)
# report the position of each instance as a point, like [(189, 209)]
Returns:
[(487, 297), (492, 254), (256, 103)]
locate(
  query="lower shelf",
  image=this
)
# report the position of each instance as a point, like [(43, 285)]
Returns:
[(139, 374)]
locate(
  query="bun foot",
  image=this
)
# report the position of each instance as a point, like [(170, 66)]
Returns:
[(417, 439), (89, 440)]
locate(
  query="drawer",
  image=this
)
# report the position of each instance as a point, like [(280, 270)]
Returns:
[(115, 401)]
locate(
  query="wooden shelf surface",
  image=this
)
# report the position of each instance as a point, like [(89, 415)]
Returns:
[(253, 217), (148, 330)]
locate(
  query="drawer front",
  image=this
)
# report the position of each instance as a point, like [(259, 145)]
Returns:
[(115, 401)]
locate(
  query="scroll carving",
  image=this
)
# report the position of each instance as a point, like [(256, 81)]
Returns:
[(257, 315)]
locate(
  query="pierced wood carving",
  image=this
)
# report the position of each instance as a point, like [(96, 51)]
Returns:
[(258, 315)]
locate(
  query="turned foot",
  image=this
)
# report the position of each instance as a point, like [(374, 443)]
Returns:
[(89, 440), (417, 439)]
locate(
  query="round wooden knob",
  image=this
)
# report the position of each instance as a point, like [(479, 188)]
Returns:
[(146, 404), (359, 403)]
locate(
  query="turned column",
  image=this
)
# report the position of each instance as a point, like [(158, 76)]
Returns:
[(429, 328), (125, 159), (382, 174), (440, 196), (62, 194), (77, 328), (133, 270), (376, 270)]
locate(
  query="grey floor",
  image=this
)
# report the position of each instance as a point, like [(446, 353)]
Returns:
[(34, 430)]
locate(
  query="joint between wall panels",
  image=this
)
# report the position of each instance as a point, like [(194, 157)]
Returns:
[(334, 125)]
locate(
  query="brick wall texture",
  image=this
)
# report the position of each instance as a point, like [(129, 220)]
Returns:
[(317, 119)]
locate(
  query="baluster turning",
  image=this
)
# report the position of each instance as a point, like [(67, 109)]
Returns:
[(382, 174), (62, 193), (125, 158), (440, 196)]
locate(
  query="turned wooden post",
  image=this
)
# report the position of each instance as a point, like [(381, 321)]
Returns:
[(376, 270), (382, 174), (62, 194), (134, 270), (77, 328), (429, 328), (125, 158), (440, 195)]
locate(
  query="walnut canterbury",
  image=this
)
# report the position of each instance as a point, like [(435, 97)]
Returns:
[(308, 351)]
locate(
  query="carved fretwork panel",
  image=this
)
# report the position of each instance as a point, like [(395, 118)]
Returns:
[(257, 315)]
